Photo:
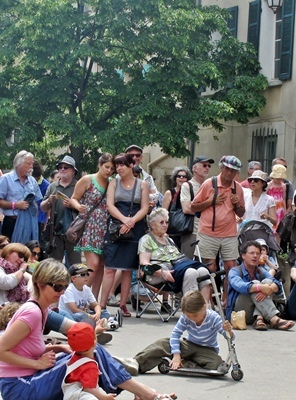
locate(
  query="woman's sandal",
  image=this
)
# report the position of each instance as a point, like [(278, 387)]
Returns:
[(163, 396), (283, 325), (259, 325), (54, 340)]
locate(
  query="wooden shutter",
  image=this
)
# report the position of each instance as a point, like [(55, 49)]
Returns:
[(287, 35), (254, 24), (232, 18)]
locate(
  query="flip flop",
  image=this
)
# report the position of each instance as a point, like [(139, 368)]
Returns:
[(259, 325), (281, 325)]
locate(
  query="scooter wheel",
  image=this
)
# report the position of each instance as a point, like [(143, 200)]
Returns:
[(237, 375), (164, 367)]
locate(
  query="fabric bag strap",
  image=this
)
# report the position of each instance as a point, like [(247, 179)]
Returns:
[(133, 197), (96, 204)]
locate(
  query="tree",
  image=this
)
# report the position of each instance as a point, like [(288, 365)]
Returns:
[(104, 74)]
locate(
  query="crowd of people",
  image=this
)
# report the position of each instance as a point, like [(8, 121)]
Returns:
[(127, 225)]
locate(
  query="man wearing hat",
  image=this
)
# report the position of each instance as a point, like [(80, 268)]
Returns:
[(217, 229), (60, 193), (200, 169)]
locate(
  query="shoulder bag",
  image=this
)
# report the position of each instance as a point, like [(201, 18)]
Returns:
[(75, 230), (180, 223)]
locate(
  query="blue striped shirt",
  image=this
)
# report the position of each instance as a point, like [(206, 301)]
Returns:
[(203, 335)]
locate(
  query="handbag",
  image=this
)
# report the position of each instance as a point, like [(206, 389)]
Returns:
[(115, 225), (238, 320), (76, 228), (180, 223)]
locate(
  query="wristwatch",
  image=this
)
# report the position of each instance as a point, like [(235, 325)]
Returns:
[(23, 270)]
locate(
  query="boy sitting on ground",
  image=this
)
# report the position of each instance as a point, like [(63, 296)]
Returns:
[(82, 375)]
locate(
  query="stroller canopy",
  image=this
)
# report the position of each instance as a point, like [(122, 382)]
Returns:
[(253, 230)]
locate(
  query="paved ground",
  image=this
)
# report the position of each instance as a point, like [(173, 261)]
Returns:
[(268, 360)]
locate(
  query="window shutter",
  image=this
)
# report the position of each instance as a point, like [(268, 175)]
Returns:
[(232, 18), (287, 34), (254, 24)]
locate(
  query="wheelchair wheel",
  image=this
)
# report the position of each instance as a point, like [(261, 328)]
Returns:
[(164, 367)]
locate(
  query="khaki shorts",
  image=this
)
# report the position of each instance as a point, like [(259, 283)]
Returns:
[(209, 247)]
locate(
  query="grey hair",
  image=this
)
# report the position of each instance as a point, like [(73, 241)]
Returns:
[(20, 157), (175, 172), (156, 213), (252, 163)]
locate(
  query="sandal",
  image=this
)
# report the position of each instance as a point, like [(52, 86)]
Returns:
[(163, 396), (125, 312), (54, 340), (259, 325), (283, 325)]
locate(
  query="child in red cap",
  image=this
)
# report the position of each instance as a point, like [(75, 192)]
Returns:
[(82, 375)]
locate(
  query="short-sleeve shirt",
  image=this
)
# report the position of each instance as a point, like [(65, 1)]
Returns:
[(13, 190), (87, 374), (186, 196), (263, 205), (225, 220), (82, 298)]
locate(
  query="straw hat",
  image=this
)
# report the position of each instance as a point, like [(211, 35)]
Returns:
[(278, 172)]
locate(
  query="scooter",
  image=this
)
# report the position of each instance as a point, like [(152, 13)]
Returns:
[(231, 360)]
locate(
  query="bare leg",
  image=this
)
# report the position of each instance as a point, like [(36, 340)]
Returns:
[(116, 282), (108, 279), (211, 264), (95, 262), (207, 294), (141, 391), (126, 280), (227, 266)]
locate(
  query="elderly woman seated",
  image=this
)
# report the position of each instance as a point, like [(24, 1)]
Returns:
[(162, 261)]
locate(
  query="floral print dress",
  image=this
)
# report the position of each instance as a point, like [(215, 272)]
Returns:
[(95, 228), (279, 195)]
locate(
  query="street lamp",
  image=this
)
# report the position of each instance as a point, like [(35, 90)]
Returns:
[(274, 5)]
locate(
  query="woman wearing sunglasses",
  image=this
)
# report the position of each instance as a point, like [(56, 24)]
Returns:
[(156, 248), (37, 254), (259, 205), (171, 197), (24, 354), (13, 273)]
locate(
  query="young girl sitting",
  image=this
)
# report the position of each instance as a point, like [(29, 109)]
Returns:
[(267, 262)]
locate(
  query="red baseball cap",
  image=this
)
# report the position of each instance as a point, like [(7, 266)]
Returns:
[(81, 336)]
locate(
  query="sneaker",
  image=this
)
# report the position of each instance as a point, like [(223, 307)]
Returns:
[(105, 313), (112, 301), (166, 308), (125, 311), (104, 338), (118, 317), (130, 364), (223, 368)]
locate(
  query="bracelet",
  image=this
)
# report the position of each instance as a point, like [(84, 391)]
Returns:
[(23, 270), (258, 287), (13, 205)]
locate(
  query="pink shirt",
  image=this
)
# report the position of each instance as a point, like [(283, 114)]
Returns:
[(32, 346), (225, 222)]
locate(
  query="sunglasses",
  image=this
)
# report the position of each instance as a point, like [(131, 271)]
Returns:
[(3, 245), (164, 222), (57, 288), (181, 176), (83, 274), (135, 155), (256, 180), (64, 167), (35, 253), (20, 254), (206, 165)]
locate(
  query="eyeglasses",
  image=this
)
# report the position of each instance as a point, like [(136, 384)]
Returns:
[(57, 288), (36, 254), (64, 167), (181, 176), (3, 245), (256, 180), (137, 155), (206, 165), (164, 222), (83, 274)]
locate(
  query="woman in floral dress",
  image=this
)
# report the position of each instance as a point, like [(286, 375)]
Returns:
[(89, 190)]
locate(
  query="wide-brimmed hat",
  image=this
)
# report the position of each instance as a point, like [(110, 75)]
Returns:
[(278, 172), (202, 159), (258, 175), (77, 269), (69, 161), (231, 162), (81, 336), (262, 243)]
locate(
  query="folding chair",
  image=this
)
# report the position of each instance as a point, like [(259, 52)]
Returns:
[(152, 293)]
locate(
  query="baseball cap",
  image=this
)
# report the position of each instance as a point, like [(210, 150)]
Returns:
[(133, 147), (77, 269), (262, 243), (81, 336), (201, 159), (231, 162)]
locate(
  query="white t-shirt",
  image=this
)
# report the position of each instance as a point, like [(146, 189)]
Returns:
[(82, 298), (186, 196), (264, 203)]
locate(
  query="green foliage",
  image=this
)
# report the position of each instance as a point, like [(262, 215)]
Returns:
[(99, 75)]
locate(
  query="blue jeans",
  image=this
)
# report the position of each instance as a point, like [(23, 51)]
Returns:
[(291, 304)]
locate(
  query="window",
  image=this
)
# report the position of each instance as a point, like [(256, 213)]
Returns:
[(278, 40), (232, 18), (287, 35), (254, 24), (264, 144)]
